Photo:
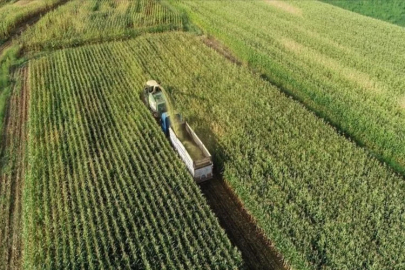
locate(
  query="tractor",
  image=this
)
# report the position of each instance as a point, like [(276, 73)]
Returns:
[(154, 98)]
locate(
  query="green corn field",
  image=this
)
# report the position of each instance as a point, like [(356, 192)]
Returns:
[(300, 103), (289, 177), (93, 21), (348, 69), (308, 187), (97, 201)]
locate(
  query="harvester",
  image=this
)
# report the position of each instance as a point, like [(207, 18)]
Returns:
[(154, 98), (182, 137)]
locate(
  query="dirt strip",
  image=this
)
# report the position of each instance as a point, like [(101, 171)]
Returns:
[(13, 172), (257, 251)]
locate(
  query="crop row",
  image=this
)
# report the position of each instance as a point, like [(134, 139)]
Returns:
[(104, 189), (323, 201), (16, 12), (349, 70), (92, 21)]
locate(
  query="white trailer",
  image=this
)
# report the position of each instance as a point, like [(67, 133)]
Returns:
[(202, 168)]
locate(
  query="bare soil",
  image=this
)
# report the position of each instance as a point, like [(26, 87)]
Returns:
[(257, 251)]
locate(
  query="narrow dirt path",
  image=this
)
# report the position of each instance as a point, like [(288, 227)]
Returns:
[(28, 21), (257, 251), (13, 172)]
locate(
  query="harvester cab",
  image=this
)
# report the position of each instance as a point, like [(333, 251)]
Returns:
[(154, 98)]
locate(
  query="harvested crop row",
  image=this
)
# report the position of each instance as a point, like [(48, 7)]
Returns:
[(94, 21), (17, 12), (104, 189), (323, 201)]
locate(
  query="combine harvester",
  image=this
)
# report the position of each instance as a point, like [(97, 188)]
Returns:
[(187, 144)]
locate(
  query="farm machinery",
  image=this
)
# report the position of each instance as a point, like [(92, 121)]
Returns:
[(182, 137)]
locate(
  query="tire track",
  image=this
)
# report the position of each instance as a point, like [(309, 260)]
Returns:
[(12, 175)]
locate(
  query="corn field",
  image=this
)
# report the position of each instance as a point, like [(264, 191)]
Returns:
[(12, 173), (349, 69), (323, 201), (14, 12), (306, 124), (104, 189), (91, 21)]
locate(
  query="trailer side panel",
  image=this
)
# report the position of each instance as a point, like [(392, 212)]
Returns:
[(182, 151)]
